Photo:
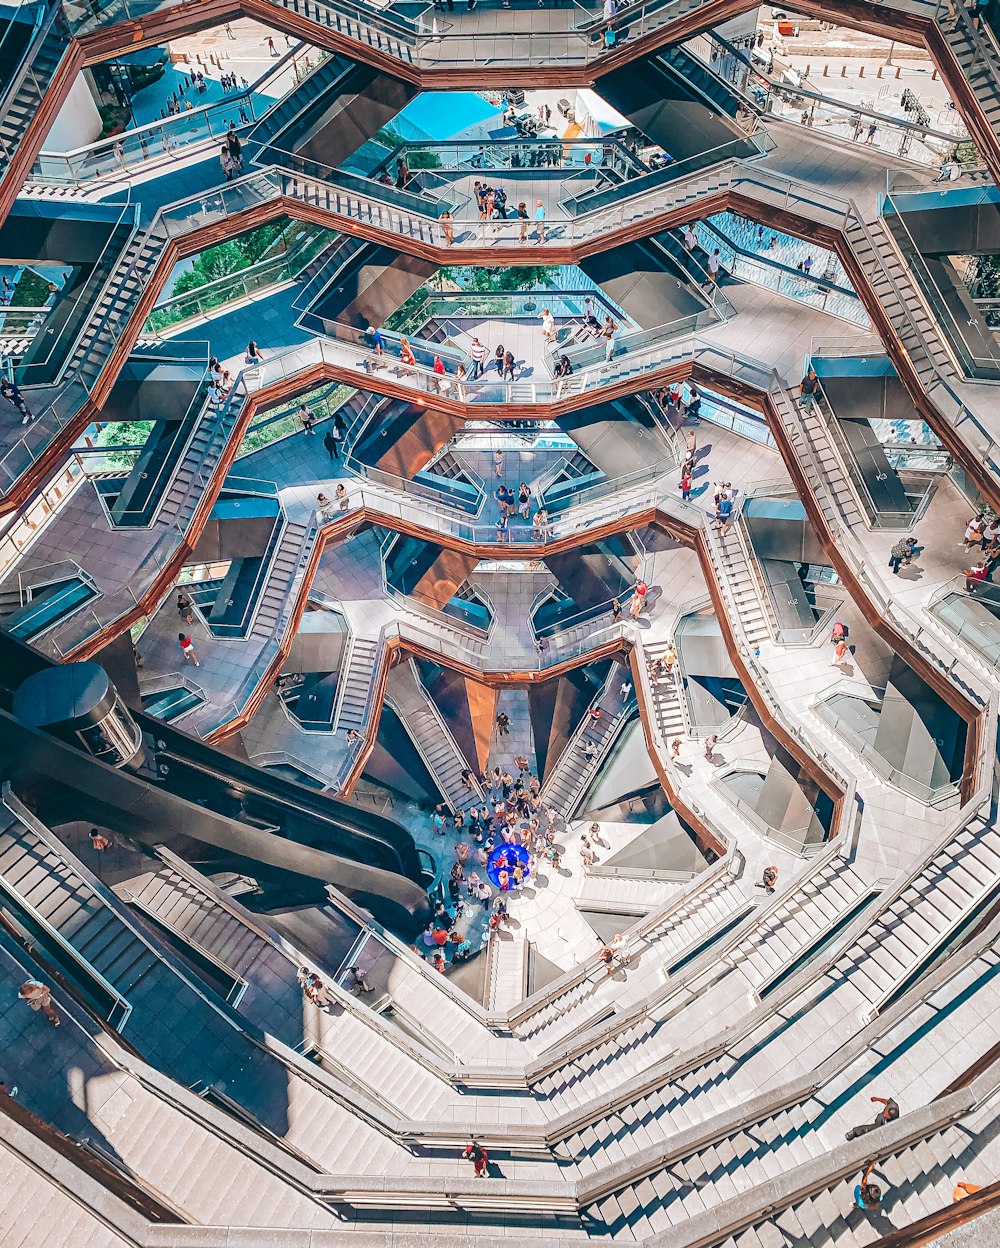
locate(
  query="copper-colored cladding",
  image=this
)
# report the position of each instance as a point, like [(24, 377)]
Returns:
[(195, 15), (451, 413), (483, 701)]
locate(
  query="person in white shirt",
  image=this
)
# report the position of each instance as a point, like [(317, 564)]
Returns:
[(549, 330), (713, 266), (690, 238), (477, 353)]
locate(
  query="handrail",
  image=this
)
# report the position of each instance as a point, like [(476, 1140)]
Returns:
[(119, 1002)]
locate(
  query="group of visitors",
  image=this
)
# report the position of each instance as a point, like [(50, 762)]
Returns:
[(983, 531)]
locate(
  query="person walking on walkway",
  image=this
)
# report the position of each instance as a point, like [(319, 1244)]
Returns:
[(307, 420), (375, 341), (540, 220), (10, 392), (477, 353), (714, 264), (187, 649), (690, 238), (522, 217), (479, 1158), (840, 654), (447, 227), (888, 1113), (503, 724), (687, 484), (39, 998), (769, 879), (185, 608), (974, 532)]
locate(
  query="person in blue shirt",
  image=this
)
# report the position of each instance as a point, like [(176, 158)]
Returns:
[(376, 341), (867, 1195), (724, 514)]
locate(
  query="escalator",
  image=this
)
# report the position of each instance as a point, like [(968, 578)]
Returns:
[(285, 834), (87, 241)]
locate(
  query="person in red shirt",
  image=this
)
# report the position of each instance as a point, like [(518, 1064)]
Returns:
[(975, 576), (686, 483), (479, 1158), (638, 599)]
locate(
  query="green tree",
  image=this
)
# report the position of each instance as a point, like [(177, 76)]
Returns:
[(486, 281)]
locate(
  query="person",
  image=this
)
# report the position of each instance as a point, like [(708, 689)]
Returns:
[(307, 420), (253, 357), (406, 356), (563, 370), (39, 997), (713, 266), (687, 484), (840, 654), (479, 1158), (690, 238), (342, 497), (524, 499), (589, 751), (441, 381), (330, 442), (522, 216), (227, 162), (675, 748), (669, 658), (976, 576), (447, 227), (607, 956), (357, 979), (324, 506), (616, 610), (974, 532), (692, 409), (900, 554), (963, 1189), (809, 390), (724, 514), (540, 220), (872, 131), (710, 744), (839, 632), (621, 948), (888, 1113), (625, 690), (549, 331), (477, 353), (587, 855), (375, 339), (638, 599), (867, 1195), (12, 393), (503, 724), (187, 649), (769, 879), (98, 840), (185, 608)]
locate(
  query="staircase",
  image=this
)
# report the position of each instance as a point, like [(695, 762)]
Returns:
[(50, 897), (812, 908), (356, 676), (507, 970), (288, 562), (385, 35), (820, 462), (667, 709), (978, 59), (23, 97), (430, 734), (958, 882), (565, 786), (750, 616), (109, 316)]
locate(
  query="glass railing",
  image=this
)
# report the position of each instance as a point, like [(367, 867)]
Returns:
[(808, 107), (975, 361), (595, 198), (16, 322), (930, 794), (794, 283), (427, 161), (273, 270), (509, 306)]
